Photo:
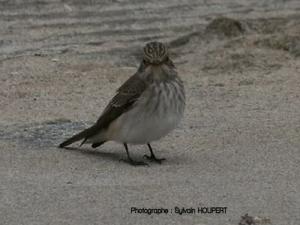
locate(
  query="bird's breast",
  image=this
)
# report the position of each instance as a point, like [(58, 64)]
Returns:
[(158, 111)]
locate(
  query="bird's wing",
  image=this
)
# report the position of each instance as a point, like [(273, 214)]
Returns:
[(126, 96)]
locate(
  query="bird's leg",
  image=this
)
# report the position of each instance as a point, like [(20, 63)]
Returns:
[(130, 160), (152, 157)]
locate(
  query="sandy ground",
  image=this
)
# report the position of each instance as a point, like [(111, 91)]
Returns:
[(237, 147)]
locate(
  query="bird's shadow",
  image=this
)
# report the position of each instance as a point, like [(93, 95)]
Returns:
[(104, 155), (118, 156)]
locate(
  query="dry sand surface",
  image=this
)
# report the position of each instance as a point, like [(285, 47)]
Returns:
[(237, 147)]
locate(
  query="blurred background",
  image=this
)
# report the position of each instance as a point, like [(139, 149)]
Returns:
[(111, 29), (237, 147)]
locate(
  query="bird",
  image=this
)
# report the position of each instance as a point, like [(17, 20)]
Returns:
[(148, 106)]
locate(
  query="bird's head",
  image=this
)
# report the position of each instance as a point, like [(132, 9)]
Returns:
[(155, 53), (156, 64)]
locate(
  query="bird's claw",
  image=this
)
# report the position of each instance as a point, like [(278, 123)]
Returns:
[(154, 159), (134, 163)]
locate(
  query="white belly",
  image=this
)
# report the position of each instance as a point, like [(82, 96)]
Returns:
[(141, 128), (148, 120)]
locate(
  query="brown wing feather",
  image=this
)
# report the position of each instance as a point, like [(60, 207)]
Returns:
[(126, 95)]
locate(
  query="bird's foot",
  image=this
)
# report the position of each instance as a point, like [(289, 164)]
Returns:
[(134, 163), (152, 158)]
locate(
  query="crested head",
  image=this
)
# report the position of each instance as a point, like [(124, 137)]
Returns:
[(155, 53)]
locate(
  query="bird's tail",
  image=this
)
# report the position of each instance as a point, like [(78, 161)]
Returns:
[(82, 135)]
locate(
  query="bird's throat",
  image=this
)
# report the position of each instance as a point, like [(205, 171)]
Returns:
[(158, 72)]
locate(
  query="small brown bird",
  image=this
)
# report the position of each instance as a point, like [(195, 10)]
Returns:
[(146, 107)]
